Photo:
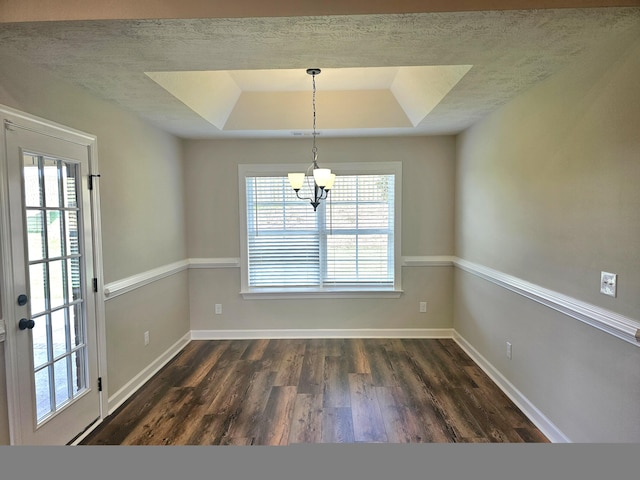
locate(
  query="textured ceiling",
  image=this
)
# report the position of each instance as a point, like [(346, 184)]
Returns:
[(509, 51)]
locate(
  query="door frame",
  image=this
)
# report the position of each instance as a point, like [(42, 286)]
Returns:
[(9, 116)]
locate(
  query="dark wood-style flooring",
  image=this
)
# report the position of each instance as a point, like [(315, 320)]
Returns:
[(282, 392)]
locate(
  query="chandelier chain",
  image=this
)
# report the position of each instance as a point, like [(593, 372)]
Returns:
[(314, 149)]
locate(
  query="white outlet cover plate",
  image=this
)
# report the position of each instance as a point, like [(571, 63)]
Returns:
[(608, 283)]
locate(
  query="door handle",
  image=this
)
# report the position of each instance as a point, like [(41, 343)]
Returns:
[(24, 324), (22, 299)]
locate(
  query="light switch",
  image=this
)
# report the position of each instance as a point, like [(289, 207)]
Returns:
[(608, 283)]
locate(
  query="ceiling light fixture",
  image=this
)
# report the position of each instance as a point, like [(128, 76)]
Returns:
[(323, 179)]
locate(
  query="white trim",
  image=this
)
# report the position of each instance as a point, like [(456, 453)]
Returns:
[(429, 261), (349, 168), (267, 294), (128, 284), (322, 333), (133, 385), (98, 273), (548, 428), (230, 262), (119, 287), (613, 323)]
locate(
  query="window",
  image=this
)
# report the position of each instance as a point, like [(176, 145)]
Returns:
[(348, 247)]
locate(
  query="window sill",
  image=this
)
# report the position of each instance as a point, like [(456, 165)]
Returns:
[(300, 293)]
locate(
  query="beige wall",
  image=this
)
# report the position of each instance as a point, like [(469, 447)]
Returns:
[(427, 229), (142, 205), (547, 191)]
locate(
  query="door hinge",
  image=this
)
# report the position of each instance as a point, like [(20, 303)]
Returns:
[(91, 180), (95, 285), (99, 384)]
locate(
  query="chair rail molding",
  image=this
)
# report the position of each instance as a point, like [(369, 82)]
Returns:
[(613, 323)]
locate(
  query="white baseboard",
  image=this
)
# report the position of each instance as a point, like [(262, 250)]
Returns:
[(323, 333), (136, 382), (547, 427)]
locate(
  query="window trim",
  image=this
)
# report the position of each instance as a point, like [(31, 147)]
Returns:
[(351, 168)]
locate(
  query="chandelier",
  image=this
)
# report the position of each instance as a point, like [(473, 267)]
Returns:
[(323, 179)]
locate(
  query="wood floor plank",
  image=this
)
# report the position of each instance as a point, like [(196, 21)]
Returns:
[(336, 382), (247, 424), (202, 362), (233, 388), (255, 350), (290, 366), (498, 398), (379, 363), (287, 391), (156, 425), (306, 424), (415, 395), (358, 360), (278, 413), (312, 372), (337, 425), (368, 425), (401, 424)]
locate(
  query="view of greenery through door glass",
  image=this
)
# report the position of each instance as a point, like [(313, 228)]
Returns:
[(52, 217)]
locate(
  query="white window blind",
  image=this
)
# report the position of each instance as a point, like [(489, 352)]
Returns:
[(359, 231), (282, 234), (349, 243)]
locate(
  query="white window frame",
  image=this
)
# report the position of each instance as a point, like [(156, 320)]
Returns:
[(360, 168)]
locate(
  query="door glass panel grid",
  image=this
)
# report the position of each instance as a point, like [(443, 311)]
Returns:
[(51, 189), (59, 381)]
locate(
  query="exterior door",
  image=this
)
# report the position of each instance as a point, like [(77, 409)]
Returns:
[(54, 325)]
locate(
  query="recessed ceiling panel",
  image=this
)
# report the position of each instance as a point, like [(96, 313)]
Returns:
[(346, 98), (212, 95)]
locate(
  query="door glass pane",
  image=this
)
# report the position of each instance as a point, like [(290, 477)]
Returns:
[(78, 367), (54, 234), (62, 378), (35, 235), (32, 190), (75, 326), (59, 332), (43, 394), (69, 184), (56, 283), (39, 332), (74, 287), (37, 288), (71, 224), (51, 187)]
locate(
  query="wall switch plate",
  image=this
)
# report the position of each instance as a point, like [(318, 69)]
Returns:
[(508, 349), (146, 338), (608, 283), (423, 307), (218, 309)]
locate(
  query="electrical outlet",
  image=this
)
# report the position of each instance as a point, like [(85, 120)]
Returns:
[(218, 309), (146, 338), (608, 283), (508, 349), (423, 307)]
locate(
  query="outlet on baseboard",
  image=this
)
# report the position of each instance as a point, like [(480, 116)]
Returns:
[(423, 307), (218, 309)]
